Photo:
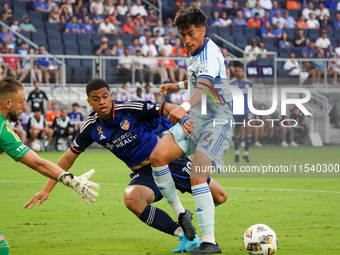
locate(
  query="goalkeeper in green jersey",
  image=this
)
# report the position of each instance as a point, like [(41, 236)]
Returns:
[(12, 104)]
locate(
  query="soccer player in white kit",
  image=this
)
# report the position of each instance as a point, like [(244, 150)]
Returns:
[(212, 118)]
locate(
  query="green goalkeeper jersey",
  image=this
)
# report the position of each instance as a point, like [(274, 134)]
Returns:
[(10, 142)]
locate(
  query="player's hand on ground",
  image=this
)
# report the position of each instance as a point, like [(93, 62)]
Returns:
[(82, 185), (40, 196), (168, 88), (188, 128), (176, 115)]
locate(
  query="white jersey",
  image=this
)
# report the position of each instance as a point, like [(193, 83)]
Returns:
[(208, 63)]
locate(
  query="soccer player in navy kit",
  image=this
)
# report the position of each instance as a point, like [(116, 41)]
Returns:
[(244, 85), (129, 131)]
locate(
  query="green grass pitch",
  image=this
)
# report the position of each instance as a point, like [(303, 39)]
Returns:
[(304, 212)]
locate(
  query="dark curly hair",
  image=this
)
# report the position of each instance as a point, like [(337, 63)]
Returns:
[(190, 16)]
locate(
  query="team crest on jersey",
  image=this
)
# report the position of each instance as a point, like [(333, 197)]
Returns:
[(149, 106), (125, 125)]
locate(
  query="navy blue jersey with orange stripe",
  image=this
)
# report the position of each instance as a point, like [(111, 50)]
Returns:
[(130, 135)]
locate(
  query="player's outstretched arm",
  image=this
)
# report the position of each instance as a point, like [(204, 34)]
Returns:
[(80, 184), (172, 87)]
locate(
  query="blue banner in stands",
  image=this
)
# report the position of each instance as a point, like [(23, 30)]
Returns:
[(260, 71)]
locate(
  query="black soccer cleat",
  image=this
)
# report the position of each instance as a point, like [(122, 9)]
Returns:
[(207, 248), (237, 158), (184, 219), (246, 158)]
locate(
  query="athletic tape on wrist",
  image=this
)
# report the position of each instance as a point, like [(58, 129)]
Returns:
[(184, 119), (186, 106), (181, 85)]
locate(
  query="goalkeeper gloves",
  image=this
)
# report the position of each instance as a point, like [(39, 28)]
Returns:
[(81, 185)]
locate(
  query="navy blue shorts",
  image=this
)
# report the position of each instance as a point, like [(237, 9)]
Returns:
[(180, 171)]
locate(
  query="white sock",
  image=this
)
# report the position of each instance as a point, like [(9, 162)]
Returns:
[(205, 211), (237, 152), (166, 185), (245, 153), (178, 232)]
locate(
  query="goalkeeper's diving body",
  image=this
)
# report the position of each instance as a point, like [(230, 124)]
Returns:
[(129, 130), (12, 104)]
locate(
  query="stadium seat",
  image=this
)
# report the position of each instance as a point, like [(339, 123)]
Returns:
[(52, 28), (87, 63), (256, 37), (290, 33), (26, 34), (127, 39), (269, 41), (86, 49), (69, 40), (54, 41), (112, 39), (56, 49), (252, 31), (72, 63), (238, 31), (241, 42), (263, 61), (81, 75), (225, 31), (83, 39), (39, 39), (96, 39), (284, 52), (72, 50), (313, 34), (295, 14), (211, 31)]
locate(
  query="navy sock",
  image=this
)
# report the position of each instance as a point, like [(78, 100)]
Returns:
[(236, 142), (158, 219), (247, 142)]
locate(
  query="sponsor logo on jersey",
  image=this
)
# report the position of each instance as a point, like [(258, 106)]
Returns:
[(125, 125), (102, 137)]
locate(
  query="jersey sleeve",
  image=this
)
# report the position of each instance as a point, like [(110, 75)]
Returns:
[(209, 66), (11, 143), (83, 139), (152, 110)]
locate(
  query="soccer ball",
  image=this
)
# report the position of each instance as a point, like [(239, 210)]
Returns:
[(260, 239), (37, 146)]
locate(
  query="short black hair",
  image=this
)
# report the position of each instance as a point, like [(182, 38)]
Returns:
[(96, 84), (190, 16), (8, 87)]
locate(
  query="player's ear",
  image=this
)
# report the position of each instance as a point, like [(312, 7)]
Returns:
[(7, 102)]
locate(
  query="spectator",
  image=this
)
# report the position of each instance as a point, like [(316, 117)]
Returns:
[(74, 27), (62, 129), (252, 3), (266, 4), (313, 23), (178, 45), (301, 129), (336, 21), (215, 21), (37, 98), (86, 26), (239, 21), (258, 9), (98, 5), (138, 8), (267, 30), (51, 115), (7, 37), (151, 19), (310, 50), (134, 46), (38, 129), (263, 126), (15, 26), (12, 63), (247, 13), (334, 69), (181, 66), (168, 26), (308, 10), (147, 33), (104, 49), (323, 41), (83, 13), (251, 52), (330, 52), (124, 94), (224, 20), (118, 48), (41, 5), (284, 130), (96, 17), (321, 11), (228, 63), (319, 69), (139, 93), (76, 116), (265, 18), (275, 9), (301, 23), (48, 66), (159, 27), (27, 68), (233, 11), (337, 49), (129, 27), (150, 67), (338, 6), (300, 40), (148, 95), (309, 67), (107, 28), (254, 22), (125, 66), (278, 19), (262, 51), (68, 4), (6, 12), (294, 68), (284, 43), (18, 129), (304, 4), (325, 23), (167, 46), (54, 15), (65, 16), (172, 36), (122, 9), (199, 4), (148, 46), (292, 5), (167, 68), (25, 116), (139, 67), (278, 31), (228, 4), (289, 20), (330, 4), (143, 28)]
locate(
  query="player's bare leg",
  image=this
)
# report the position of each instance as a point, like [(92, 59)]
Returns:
[(165, 152), (205, 208)]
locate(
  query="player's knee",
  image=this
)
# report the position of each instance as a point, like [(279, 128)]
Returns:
[(133, 202), (221, 198), (159, 158)]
